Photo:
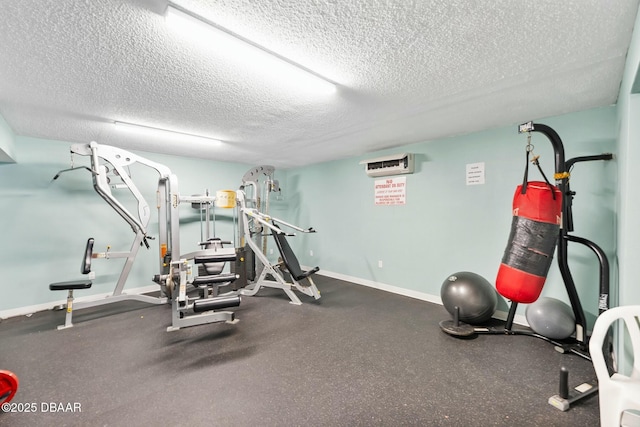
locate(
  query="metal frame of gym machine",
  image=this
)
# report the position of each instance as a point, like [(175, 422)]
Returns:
[(119, 160), (176, 273), (250, 214), (174, 268), (580, 344)]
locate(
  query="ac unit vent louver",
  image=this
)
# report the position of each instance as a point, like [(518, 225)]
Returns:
[(396, 164)]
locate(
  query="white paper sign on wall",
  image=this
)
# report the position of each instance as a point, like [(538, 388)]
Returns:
[(475, 173), (391, 191)]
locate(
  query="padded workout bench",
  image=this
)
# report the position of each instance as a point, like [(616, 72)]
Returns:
[(75, 284), (290, 260), (291, 264)]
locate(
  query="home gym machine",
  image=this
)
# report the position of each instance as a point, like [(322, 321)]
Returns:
[(109, 163), (177, 277), (579, 343), (255, 226), (175, 269)]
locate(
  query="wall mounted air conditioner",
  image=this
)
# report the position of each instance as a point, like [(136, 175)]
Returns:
[(396, 164)]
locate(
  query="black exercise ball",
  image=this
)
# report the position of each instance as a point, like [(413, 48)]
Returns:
[(474, 296)]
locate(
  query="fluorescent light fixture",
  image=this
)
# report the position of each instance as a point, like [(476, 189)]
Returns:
[(163, 133), (255, 56)]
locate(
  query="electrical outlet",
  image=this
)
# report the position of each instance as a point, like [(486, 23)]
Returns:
[(380, 264), (311, 253), (270, 251)]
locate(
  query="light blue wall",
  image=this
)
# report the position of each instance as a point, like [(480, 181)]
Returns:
[(628, 229), (628, 203), (447, 226), (45, 224), (628, 109), (7, 150)]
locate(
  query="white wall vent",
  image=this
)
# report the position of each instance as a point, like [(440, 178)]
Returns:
[(396, 164)]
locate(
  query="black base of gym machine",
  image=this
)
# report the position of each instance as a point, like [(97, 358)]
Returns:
[(566, 396), (579, 344)]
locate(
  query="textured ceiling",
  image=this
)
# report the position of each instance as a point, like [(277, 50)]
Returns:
[(408, 71)]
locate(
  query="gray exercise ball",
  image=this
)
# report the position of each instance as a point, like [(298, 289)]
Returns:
[(474, 296), (551, 318)]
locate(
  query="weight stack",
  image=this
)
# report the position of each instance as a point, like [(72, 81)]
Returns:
[(244, 267)]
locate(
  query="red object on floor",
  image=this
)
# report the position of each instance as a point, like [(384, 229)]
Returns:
[(8, 386)]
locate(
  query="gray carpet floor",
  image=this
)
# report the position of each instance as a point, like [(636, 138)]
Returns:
[(356, 357)]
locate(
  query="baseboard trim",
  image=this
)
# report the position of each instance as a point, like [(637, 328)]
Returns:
[(29, 310)]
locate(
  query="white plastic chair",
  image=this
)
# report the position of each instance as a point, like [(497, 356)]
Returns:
[(618, 393)]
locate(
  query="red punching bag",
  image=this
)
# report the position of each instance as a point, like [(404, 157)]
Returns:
[(537, 215)]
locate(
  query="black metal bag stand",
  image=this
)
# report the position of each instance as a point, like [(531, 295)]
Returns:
[(579, 344)]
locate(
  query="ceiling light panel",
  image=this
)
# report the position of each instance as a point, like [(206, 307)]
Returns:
[(163, 133), (271, 66)]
